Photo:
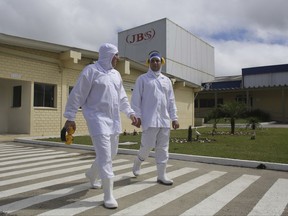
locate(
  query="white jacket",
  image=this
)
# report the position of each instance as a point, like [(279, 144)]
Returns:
[(101, 95), (153, 100)]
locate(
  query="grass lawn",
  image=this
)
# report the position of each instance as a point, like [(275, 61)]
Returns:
[(270, 145)]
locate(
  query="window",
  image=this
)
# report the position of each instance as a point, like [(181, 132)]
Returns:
[(44, 95), (244, 100), (241, 99), (17, 94), (208, 103)]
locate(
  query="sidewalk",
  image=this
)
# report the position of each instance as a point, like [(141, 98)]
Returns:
[(263, 125), (172, 156)]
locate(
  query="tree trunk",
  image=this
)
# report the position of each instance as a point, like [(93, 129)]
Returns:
[(232, 125)]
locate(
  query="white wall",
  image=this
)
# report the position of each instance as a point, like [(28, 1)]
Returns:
[(265, 80), (187, 57)]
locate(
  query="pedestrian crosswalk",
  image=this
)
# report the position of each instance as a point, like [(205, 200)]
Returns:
[(47, 181)]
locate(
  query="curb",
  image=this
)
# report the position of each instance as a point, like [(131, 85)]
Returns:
[(174, 156)]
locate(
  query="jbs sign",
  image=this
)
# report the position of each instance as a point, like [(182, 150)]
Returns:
[(140, 37)]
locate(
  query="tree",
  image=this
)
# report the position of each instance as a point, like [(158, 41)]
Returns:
[(215, 114), (233, 110), (253, 122)]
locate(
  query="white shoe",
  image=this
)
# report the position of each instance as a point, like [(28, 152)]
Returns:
[(136, 166), (95, 183), (109, 200), (162, 178)]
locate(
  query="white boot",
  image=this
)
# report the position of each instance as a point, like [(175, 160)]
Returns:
[(136, 166), (162, 178), (109, 200), (93, 176)]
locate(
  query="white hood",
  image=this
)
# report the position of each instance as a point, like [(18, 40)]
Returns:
[(106, 54)]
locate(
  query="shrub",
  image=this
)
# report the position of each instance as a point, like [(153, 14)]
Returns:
[(259, 114)]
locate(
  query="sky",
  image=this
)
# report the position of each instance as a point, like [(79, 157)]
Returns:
[(244, 33)]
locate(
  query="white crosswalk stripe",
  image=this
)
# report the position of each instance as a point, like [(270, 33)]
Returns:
[(15, 206), (34, 159), (43, 184), (5, 148), (42, 168), (169, 195), (19, 152), (28, 183), (39, 163), (218, 200), (274, 201), (48, 174), (77, 207), (46, 152)]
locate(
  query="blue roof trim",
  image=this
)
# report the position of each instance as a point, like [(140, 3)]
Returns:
[(265, 69)]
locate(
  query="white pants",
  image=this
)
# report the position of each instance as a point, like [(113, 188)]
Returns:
[(157, 138), (106, 147)]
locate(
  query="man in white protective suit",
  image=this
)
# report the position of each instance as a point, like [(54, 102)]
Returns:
[(154, 104), (99, 92)]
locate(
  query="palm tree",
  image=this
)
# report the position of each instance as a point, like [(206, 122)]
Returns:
[(253, 122), (215, 114), (233, 110)]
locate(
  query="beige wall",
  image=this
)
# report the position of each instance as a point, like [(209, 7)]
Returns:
[(273, 101), (12, 72), (19, 66), (185, 105), (4, 105)]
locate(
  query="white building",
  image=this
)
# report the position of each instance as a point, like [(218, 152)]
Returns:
[(188, 58)]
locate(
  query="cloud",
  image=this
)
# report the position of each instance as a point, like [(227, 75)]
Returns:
[(235, 55), (243, 33)]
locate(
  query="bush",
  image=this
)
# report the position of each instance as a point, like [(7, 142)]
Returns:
[(259, 114)]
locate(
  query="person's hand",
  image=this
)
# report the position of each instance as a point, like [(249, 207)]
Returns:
[(133, 119), (70, 124), (175, 124), (136, 122)]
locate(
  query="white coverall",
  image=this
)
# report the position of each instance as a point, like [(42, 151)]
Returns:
[(154, 103), (100, 93)]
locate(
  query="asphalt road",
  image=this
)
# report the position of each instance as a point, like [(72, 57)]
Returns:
[(50, 180)]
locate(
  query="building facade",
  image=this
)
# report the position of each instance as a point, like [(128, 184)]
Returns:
[(36, 77), (35, 80), (188, 58), (262, 88)]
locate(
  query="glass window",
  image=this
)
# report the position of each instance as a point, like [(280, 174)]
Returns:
[(17, 94), (44, 95), (209, 103)]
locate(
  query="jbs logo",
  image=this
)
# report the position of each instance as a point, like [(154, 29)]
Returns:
[(139, 37)]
